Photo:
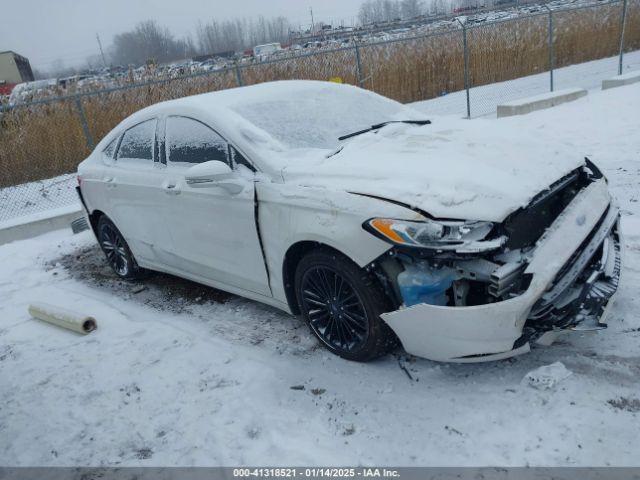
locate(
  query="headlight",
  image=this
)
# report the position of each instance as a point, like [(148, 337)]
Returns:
[(441, 235)]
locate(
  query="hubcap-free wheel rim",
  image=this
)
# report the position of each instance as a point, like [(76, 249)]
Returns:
[(113, 246), (334, 309)]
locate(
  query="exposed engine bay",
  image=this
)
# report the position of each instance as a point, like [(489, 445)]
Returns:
[(576, 297)]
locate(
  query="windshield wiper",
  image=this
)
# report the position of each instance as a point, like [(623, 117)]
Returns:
[(380, 125)]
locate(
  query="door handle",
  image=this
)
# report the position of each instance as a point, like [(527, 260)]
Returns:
[(110, 182), (171, 189)]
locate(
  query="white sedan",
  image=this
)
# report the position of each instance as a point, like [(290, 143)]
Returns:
[(378, 227)]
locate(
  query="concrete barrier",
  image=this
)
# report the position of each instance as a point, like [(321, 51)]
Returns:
[(33, 225), (621, 80), (539, 102)]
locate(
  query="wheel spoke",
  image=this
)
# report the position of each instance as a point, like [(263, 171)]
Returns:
[(313, 301), (360, 324), (326, 284), (115, 250), (346, 299), (346, 334), (318, 312), (315, 283), (313, 293), (109, 252), (339, 285)]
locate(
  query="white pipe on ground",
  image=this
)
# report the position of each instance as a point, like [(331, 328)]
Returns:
[(63, 317)]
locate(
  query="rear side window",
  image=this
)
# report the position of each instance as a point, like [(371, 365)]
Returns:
[(137, 142), (110, 151), (190, 141)]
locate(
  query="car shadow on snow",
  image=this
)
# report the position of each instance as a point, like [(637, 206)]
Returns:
[(173, 294), (225, 315), (251, 323)]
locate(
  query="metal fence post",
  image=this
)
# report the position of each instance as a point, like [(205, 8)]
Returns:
[(358, 65), (551, 56), (239, 75), (85, 126), (622, 24), (466, 66)]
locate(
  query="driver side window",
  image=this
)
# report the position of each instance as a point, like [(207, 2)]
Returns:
[(190, 142)]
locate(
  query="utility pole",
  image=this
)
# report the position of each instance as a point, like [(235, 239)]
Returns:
[(550, 46), (101, 51), (622, 22), (313, 28), (466, 64)]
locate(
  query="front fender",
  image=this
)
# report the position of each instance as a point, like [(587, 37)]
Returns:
[(288, 214)]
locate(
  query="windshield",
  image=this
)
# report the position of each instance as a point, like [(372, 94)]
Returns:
[(315, 118)]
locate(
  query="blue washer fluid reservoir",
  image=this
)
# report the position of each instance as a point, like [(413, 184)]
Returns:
[(421, 283)]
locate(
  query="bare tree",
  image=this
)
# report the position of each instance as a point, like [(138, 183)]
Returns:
[(232, 35), (411, 8), (149, 42), (374, 11)]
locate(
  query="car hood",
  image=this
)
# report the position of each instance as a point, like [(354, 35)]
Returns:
[(480, 170)]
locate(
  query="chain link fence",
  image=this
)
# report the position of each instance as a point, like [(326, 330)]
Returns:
[(630, 39), (466, 70)]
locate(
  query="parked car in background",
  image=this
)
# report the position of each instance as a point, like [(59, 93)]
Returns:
[(260, 51), (352, 210), (27, 91), (5, 88)]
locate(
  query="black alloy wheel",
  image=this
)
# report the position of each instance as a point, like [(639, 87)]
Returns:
[(342, 304), (116, 250), (335, 311)]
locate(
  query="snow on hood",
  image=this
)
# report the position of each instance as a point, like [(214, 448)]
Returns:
[(459, 169)]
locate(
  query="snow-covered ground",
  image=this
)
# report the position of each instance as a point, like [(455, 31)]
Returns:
[(181, 374), (485, 99)]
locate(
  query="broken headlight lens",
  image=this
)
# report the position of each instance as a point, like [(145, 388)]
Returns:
[(429, 233)]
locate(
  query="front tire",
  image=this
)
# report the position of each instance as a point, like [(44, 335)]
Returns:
[(117, 251), (342, 305)]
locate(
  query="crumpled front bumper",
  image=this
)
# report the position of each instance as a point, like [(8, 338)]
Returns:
[(495, 331)]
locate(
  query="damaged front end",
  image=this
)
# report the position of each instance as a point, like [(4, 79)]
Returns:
[(489, 290)]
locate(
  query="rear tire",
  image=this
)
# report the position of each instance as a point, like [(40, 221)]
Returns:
[(117, 251), (342, 304)]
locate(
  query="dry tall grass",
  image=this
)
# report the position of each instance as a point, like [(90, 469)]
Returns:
[(46, 140)]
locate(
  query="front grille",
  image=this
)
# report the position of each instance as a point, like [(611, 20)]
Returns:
[(585, 284), (525, 226)]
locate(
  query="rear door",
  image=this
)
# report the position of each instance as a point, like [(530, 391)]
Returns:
[(93, 188), (134, 191), (213, 228)]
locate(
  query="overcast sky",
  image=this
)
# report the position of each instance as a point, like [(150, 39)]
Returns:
[(46, 30)]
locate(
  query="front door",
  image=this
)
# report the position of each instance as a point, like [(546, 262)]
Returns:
[(213, 228)]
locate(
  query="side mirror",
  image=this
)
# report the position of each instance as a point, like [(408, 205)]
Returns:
[(207, 173), (213, 174)]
